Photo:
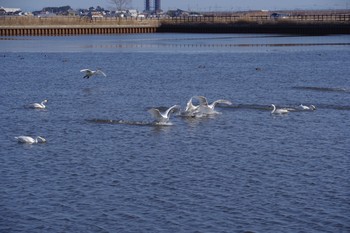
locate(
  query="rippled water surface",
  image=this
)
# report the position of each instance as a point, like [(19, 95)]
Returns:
[(107, 168)]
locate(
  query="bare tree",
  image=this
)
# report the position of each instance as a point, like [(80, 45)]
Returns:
[(120, 4)]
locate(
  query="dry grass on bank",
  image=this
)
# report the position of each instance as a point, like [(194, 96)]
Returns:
[(66, 21)]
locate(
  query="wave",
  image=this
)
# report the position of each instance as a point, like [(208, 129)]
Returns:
[(324, 89)]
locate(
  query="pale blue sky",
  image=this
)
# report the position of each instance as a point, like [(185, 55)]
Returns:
[(195, 5)]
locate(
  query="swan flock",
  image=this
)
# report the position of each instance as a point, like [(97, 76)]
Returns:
[(200, 109)]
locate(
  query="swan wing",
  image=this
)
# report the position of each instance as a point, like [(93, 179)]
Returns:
[(220, 102), (156, 114), (189, 106), (86, 70), (101, 72), (202, 100), (170, 110)]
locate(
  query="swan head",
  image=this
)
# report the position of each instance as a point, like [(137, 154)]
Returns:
[(312, 107), (40, 139)]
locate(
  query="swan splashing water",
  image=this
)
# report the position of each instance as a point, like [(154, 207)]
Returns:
[(191, 110), (209, 109), (162, 118)]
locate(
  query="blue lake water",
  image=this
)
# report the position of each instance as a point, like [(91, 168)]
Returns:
[(105, 168)]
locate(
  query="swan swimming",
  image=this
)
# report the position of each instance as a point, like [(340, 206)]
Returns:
[(279, 110), (39, 106), (205, 108), (311, 107), (30, 140), (89, 73), (162, 117)]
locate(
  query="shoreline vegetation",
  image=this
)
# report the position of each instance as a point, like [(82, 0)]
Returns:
[(305, 22)]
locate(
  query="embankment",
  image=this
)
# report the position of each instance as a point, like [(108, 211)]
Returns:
[(64, 26), (300, 28)]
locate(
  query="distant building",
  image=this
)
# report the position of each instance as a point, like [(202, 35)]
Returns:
[(132, 13), (147, 5), (156, 7)]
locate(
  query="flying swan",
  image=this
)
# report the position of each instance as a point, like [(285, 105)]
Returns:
[(278, 110), (89, 73), (39, 106), (30, 140), (162, 117)]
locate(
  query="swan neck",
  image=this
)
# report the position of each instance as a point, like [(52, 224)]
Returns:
[(274, 108)]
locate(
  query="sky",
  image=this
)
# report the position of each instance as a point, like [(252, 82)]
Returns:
[(194, 5)]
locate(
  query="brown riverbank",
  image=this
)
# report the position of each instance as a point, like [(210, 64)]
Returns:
[(59, 26)]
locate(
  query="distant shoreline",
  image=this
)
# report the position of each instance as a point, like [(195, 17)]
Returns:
[(253, 23)]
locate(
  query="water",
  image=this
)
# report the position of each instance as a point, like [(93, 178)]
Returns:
[(106, 168)]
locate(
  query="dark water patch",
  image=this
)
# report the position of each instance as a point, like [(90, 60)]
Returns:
[(323, 89), (125, 122), (334, 107), (8, 38), (247, 106), (218, 45)]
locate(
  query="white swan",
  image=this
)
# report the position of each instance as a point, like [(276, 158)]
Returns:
[(30, 140), (311, 107), (278, 110), (162, 117), (89, 73), (191, 109), (205, 108), (39, 106)]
